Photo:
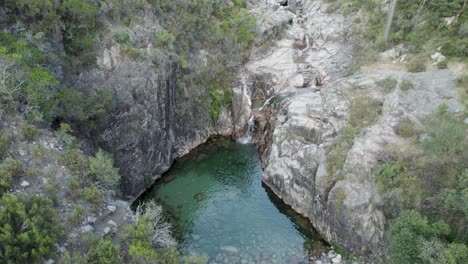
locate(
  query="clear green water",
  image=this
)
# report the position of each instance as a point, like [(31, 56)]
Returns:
[(220, 209)]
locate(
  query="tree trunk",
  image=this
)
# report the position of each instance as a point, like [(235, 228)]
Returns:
[(391, 12)]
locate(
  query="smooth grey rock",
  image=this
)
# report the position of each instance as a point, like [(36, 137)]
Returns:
[(91, 219), (107, 230), (112, 223), (111, 208), (230, 249), (87, 229), (25, 184)]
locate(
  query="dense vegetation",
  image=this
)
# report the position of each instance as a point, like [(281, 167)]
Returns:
[(425, 193), (34, 94), (419, 25)]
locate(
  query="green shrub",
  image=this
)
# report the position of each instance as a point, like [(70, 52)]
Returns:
[(9, 169), (4, 146), (388, 83), (406, 85), (405, 129), (76, 215), (436, 251), (417, 64), (28, 132), (102, 168), (92, 195), (399, 187), (340, 148), (455, 203), (28, 228), (105, 252), (164, 39), (364, 111), (446, 143), (442, 65), (87, 111), (409, 234)]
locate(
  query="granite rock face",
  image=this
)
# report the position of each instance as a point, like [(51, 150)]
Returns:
[(304, 120), (345, 205), (157, 118)]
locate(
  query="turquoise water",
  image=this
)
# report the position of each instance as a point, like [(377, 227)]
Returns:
[(218, 207)]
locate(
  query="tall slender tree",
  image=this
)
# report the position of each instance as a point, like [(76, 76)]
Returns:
[(391, 12)]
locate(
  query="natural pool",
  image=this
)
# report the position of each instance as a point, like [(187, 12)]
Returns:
[(219, 208)]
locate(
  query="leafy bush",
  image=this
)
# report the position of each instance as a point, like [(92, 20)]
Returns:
[(407, 234), (442, 65), (388, 83), (399, 187), (28, 132), (4, 146), (105, 252), (87, 111), (455, 203), (9, 169), (28, 228), (413, 239), (446, 143), (102, 167), (92, 195), (406, 85), (340, 148), (417, 64), (364, 111), (405, 129)]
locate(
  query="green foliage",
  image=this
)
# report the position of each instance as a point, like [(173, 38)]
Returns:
[(417, 64), (164, 39), (28, 132), (28, 228), (405, 129), (92, 195), (436, 252), (68, 258), (340, 148), (455, 202), (86, 111), (102, 168), (446, 143), (413, 239), (364, 111), (9, 169), (105, 252), (398, 185), (388, 83), (76, 215), (407, 234), (442, 65), (406, 85), (4, 146)]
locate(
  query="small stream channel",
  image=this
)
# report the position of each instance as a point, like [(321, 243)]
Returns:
[(218, 207)]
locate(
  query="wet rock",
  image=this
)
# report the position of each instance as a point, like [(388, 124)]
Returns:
[(230, 249), (169, 178), (199, 197), (25, 184)]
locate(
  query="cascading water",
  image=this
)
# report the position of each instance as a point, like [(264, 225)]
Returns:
[(248, 132)]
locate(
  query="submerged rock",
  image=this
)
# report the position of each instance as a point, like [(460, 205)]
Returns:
[(199, 197)]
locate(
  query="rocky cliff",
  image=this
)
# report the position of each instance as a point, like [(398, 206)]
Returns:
[(318, 149)]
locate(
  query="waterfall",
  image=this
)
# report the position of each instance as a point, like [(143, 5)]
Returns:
[(266, 103), (248, 132)]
